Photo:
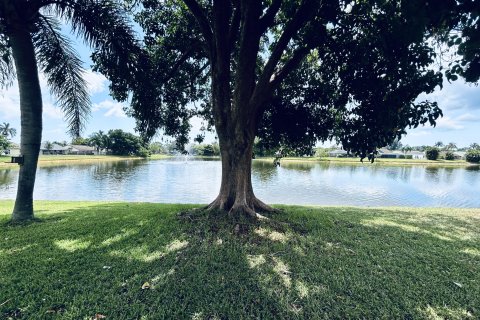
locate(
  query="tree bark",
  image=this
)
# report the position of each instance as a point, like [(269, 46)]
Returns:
[(236, 145), (31, 119)]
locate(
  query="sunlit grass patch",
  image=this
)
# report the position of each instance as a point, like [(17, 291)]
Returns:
[(271, 234), (72, 245), (441, 313), (256, 260), (405, 227), (118, 237), (472, 251), (145, 254)]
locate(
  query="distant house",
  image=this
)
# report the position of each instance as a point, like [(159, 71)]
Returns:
[(339, 153), (459, 155), (391, 154), (416, 154), (53, 149), (14, 150), (81, 149), (397, 154)]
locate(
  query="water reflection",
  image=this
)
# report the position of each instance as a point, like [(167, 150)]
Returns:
[(116, 170), (264, 170), (7, 179), (298, 166), (292, 183)]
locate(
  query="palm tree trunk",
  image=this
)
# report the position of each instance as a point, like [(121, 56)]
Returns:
[(31, 119)]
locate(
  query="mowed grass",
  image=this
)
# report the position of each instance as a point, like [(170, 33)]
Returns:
[(86, 259)]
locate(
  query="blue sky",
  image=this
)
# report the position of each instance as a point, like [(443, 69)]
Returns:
[(460, 103)]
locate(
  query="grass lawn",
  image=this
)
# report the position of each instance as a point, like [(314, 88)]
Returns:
[(86, 258)]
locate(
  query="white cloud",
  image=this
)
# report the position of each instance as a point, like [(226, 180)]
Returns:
[(468, 117), (49, 110), (421, 133), (456, 96), (97, 83), (448, 123), (10, 103), (114, 109)]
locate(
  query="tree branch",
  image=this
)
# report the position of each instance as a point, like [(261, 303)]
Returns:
[(289, 66), (301, 17), (269, 16), (184, 57), (202, 21), (249, 44), (234, 26)]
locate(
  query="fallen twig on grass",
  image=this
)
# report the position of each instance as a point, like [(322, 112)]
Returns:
[(5, 302)]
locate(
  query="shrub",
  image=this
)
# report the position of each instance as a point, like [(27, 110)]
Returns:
[(449, 156), (143, 152), (432, 153), (473, 155)]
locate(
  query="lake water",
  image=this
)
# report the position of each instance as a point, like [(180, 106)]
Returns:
[(181, 181)]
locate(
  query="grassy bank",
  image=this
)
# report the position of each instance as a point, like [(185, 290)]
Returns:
[(87, 258), (74, 159), (378, 161)]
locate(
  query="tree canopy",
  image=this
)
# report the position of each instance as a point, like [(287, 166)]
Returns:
[(124, 143), (463, 34), (320, 71)]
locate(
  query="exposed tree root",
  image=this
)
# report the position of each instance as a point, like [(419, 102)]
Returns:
[(260, 206), (250, 208)]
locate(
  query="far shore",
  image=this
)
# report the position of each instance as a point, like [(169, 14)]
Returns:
[(380, 161), (46, 160)]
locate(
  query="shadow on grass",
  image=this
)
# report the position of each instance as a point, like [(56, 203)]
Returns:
[(306, 263)]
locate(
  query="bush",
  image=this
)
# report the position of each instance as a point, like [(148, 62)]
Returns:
[(143, 152), (432, 153), (473, 155), (449, 155)]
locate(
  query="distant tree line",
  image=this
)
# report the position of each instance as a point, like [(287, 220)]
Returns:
[(114, 142)]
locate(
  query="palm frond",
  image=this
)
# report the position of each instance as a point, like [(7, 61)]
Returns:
[(7, 71), (104, 25), (59, 61)]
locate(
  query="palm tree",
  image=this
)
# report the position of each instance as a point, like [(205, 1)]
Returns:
[(474, 146), (48, 146), (99, 140), (451, 146), (406, 149), (6, 130), (30, 39), (439, 144)]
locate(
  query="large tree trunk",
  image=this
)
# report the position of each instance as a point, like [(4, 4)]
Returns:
[(236, 192), (31, 119)]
